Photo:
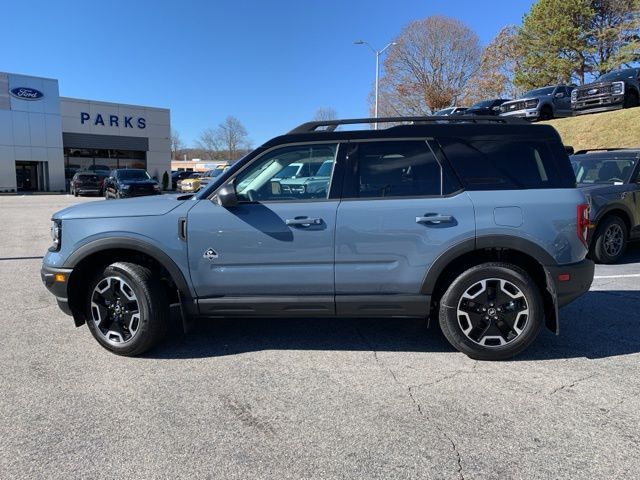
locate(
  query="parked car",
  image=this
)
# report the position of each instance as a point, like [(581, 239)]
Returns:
[(611, 91), (177, 176), (485, 107), (450, 111), (130, 182), (212, 174), (84, 182), (313, 186), (540, 104), (478, 225), (190, 184), (610, 179)]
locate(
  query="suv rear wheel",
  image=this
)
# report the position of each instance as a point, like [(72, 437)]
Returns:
[(127, 309), (610, 240), (492, 311)]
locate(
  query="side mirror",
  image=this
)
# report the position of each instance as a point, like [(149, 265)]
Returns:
[(227, 197), (559, 95)]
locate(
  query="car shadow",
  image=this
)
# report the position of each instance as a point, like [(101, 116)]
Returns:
[(597, 325)]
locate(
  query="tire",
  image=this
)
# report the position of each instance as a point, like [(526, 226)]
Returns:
[(127, 309), (631, 99), (75, 193), (610, 240), (463, 321), (546, 113)]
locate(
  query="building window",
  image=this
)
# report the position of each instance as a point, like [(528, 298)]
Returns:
[(76, 159)]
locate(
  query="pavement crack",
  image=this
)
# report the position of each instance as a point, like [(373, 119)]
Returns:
[(571, 385), (418, 406)]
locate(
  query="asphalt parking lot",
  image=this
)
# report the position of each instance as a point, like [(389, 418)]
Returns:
[(310, 398)]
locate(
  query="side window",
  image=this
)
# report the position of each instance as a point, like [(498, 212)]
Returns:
[(301, 172), (392, 169), (503, 164)]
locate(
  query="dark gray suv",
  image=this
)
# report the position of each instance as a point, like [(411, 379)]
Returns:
[(610, 179)]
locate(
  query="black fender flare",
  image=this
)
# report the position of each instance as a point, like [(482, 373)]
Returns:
[(111, 243)]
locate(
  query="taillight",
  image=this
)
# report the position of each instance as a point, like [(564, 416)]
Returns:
[(582, 222)]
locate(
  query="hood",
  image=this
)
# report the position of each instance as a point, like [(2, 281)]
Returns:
[(137, 182), (523, 99), (129, 207)]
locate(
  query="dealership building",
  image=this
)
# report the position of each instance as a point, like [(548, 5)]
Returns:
[(45, 138)]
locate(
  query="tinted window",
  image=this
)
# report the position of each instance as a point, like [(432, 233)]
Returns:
[(504, 164), (540, 91), (133, 175), (393, 169)]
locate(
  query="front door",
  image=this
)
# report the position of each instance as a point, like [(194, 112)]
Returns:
[(398, 214), (273, 252), (26, 176)]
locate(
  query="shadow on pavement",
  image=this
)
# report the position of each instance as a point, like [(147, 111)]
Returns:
[(599, 324)]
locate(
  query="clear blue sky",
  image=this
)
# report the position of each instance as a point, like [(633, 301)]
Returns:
[(269, 63)]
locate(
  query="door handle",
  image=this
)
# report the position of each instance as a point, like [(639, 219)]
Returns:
[(303, 221), (435, 219)]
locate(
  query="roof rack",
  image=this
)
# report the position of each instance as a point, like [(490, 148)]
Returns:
[(331, 125), (613, 149)]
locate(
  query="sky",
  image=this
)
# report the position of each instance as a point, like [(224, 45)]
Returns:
[(271, 64)]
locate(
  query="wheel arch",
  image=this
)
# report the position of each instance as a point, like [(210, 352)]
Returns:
[(523, 253), (102, 252), (618, 210)]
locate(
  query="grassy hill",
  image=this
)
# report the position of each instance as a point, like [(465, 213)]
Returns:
[(620, 128)]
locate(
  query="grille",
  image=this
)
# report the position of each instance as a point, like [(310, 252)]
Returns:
[(601, 90)]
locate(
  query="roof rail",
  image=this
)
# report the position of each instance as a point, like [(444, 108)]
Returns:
[(331, 125), (612, 149)]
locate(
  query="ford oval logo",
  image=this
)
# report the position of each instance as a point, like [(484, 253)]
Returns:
[(593, 91), (25, 93)]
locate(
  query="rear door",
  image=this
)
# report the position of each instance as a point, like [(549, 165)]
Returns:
[(400, 211)]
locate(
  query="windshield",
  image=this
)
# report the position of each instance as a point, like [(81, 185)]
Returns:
[(483, 104), (325, 169), (594, 168), (133, 175), (615, 75), (445, 111), (538, 92)]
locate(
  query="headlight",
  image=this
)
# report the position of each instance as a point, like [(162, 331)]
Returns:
[(574, 95), (503, 108), (56, 235), (617, 88), (156, 187), (531, 103)]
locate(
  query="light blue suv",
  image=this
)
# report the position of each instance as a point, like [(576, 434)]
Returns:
[(473, 221)]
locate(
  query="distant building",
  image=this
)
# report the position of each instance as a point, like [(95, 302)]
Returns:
[(45, 138)]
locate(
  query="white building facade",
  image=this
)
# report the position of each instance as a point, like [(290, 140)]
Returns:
[(45, 138)]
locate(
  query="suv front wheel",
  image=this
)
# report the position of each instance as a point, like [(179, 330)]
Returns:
[(127, 309), (491, 311)]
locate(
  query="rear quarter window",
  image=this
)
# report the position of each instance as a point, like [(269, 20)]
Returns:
[(507, 164)]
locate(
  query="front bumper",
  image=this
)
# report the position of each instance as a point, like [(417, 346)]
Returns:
[(570, 281), (598, 104), (528, 113), (56, 281)]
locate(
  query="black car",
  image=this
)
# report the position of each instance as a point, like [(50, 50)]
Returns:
[(86, 181), (130, 182), (610, 179), (177, 176), (611, 91), (485, 107)]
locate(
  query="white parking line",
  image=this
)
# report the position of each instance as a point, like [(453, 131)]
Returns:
[(631, 275)]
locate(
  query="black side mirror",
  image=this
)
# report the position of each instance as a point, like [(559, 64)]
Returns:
[(227, 197)]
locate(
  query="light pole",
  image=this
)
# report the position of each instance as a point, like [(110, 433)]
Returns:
[(377, 54)]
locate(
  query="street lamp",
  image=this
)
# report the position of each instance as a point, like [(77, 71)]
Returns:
[(377, 54)]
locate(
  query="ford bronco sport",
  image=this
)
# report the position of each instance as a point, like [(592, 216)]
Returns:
[(472, 221)]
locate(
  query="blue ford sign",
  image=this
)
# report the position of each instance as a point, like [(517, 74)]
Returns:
[(25, 93)]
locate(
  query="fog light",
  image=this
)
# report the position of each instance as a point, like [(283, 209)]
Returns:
[(59, 277)]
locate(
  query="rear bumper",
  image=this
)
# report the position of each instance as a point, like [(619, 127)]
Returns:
[(570, 281), (56, 280)]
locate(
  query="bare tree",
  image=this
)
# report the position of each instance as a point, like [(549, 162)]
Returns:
[(498, 64), (177, 145), (208, 142), (429, 67), (325, 113), (232, 137)]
